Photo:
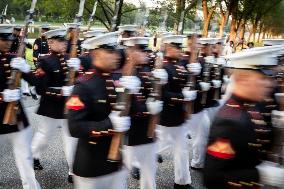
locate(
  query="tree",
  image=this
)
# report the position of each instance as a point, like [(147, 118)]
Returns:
[(208, 8), (223, 20), (182, 11)]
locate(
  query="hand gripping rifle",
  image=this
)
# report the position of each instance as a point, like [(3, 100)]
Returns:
[(191, 79), (218, 72), (91, 19), (74, 43), (123, 105), (10, 117)]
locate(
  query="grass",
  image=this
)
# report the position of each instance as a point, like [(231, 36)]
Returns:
[(29, 57)]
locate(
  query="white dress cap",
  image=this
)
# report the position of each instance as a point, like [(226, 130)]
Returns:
[(55, 33), (131, 28), (272, 42), (94, 33), (252, 59), (110, 39), (71, 25), (177, 39), (139, 41), (210, 41), (6, 28)]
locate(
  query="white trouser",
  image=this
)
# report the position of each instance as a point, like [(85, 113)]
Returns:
[(199, 126), (145, 156), (46, 130), (116, 180), (21, 142), (24, 86), (176, 138)]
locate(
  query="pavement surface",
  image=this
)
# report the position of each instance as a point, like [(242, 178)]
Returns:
[(54, 175)]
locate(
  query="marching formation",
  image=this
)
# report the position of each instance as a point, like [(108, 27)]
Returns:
[(121, 101)]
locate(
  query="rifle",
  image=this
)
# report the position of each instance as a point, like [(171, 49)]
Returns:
[(123, 104), (217, 73), (4, 14), (91, 19), (10, 117), (156, 94), (74, 42), (191, 79), (206, 76)]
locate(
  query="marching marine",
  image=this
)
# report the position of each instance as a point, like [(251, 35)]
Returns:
[(143, 107), (52, 75), (19, 134), (91, 118), (235, 147), (171, 126), (40, 46)]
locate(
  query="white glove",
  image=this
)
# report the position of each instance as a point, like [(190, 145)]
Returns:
[(154, 106), (20, 64), (210, 59), (226, 79), (277, 118), (26, 41), (189, 95), (132, 83), (205, 86), (67, 90), (11, 95), (194, 68), (161, 74), (74, 63), (271, 174), (217, 83), (221, 61), (120, 124)]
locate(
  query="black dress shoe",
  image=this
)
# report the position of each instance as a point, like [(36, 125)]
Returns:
[(195, 168), (135, 173), (188, 136), (26, 94), (70, 178), (178, 186), (37, 165), (160, 159), (34, 96)]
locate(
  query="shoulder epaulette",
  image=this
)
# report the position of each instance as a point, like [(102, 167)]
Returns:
[(231, 110)]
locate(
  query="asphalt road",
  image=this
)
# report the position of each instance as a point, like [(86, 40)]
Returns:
[(54, 175)]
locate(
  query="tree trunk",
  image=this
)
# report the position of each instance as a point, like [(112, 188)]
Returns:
[(116, 19), (206, 27), (207, 17), (222, 25), (243, 29), (263, 34), (250, 34), (254, 28), (233, 29), (260, 31), (180, 16)]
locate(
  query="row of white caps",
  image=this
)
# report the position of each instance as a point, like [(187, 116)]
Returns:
[(170, 38)]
